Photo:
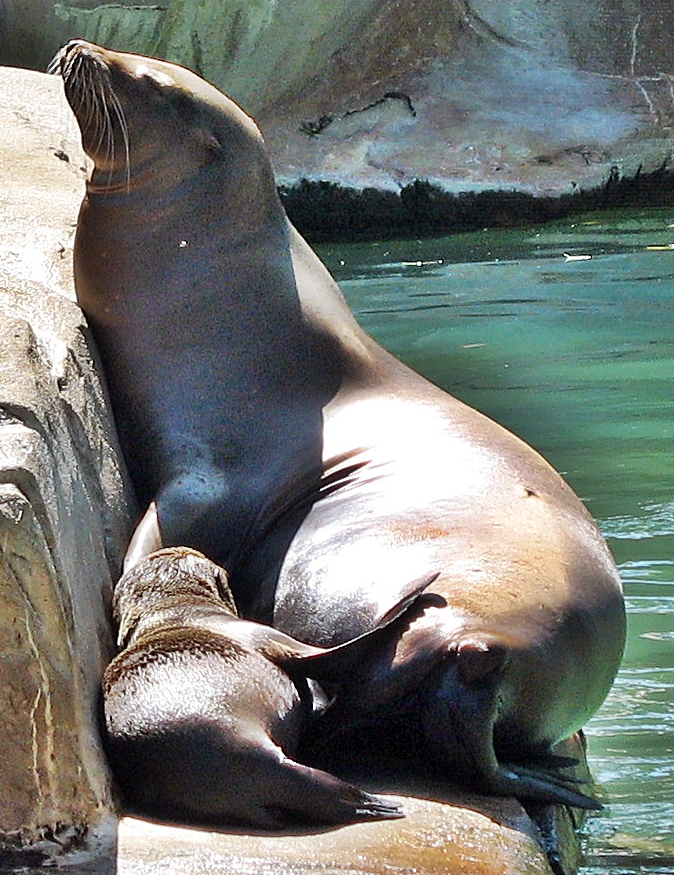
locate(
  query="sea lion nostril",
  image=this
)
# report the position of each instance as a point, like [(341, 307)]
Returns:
[(73, 44)]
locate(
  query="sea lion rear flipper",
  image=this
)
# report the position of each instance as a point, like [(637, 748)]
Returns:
[(467, 701)]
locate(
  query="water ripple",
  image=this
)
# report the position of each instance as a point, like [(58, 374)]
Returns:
[(657, 519), (636, 604), (589, 380), (647, 571)]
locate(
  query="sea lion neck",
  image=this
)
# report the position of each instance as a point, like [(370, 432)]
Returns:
[(189, 205)]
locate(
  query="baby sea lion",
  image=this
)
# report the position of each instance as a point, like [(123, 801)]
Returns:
[(204, 710), (265, 428)]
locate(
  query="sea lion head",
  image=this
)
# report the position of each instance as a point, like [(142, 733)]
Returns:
[(146, 122), (161, 584)]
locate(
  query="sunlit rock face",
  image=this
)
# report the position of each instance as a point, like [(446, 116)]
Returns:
[(64, 499), (545, 96)]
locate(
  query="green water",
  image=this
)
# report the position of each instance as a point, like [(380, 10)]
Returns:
[(577, 357)]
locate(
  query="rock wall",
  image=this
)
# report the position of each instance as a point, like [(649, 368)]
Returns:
[(249, 48), (65, 504), (542, 96)]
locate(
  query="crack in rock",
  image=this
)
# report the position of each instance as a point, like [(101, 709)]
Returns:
[(316, 126)]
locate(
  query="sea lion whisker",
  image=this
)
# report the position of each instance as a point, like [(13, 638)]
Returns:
[(75, 69), (82, 94), (69, 76), (79, 89), (90, 92), (107, 143), (124, 129), (108, 109), (62, 63), (104, 123), (55, 66)]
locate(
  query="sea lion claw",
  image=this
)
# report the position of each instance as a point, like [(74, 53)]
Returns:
[(542, 786)]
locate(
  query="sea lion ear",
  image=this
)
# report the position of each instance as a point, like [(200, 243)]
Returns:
[(210, 143)]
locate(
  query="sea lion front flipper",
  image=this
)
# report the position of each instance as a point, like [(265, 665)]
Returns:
[(330, 664), (335, 664), (146, 539)]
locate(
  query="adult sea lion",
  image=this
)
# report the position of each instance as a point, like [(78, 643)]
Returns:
[(204, 711), (266, 429)]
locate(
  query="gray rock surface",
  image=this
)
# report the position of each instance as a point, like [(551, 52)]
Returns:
[(444, 832), (543, 96), (64, 500)]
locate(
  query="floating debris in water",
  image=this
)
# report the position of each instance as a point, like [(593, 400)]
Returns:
[(658, 636)]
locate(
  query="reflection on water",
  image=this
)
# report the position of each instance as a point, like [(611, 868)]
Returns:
[(576, 355)]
